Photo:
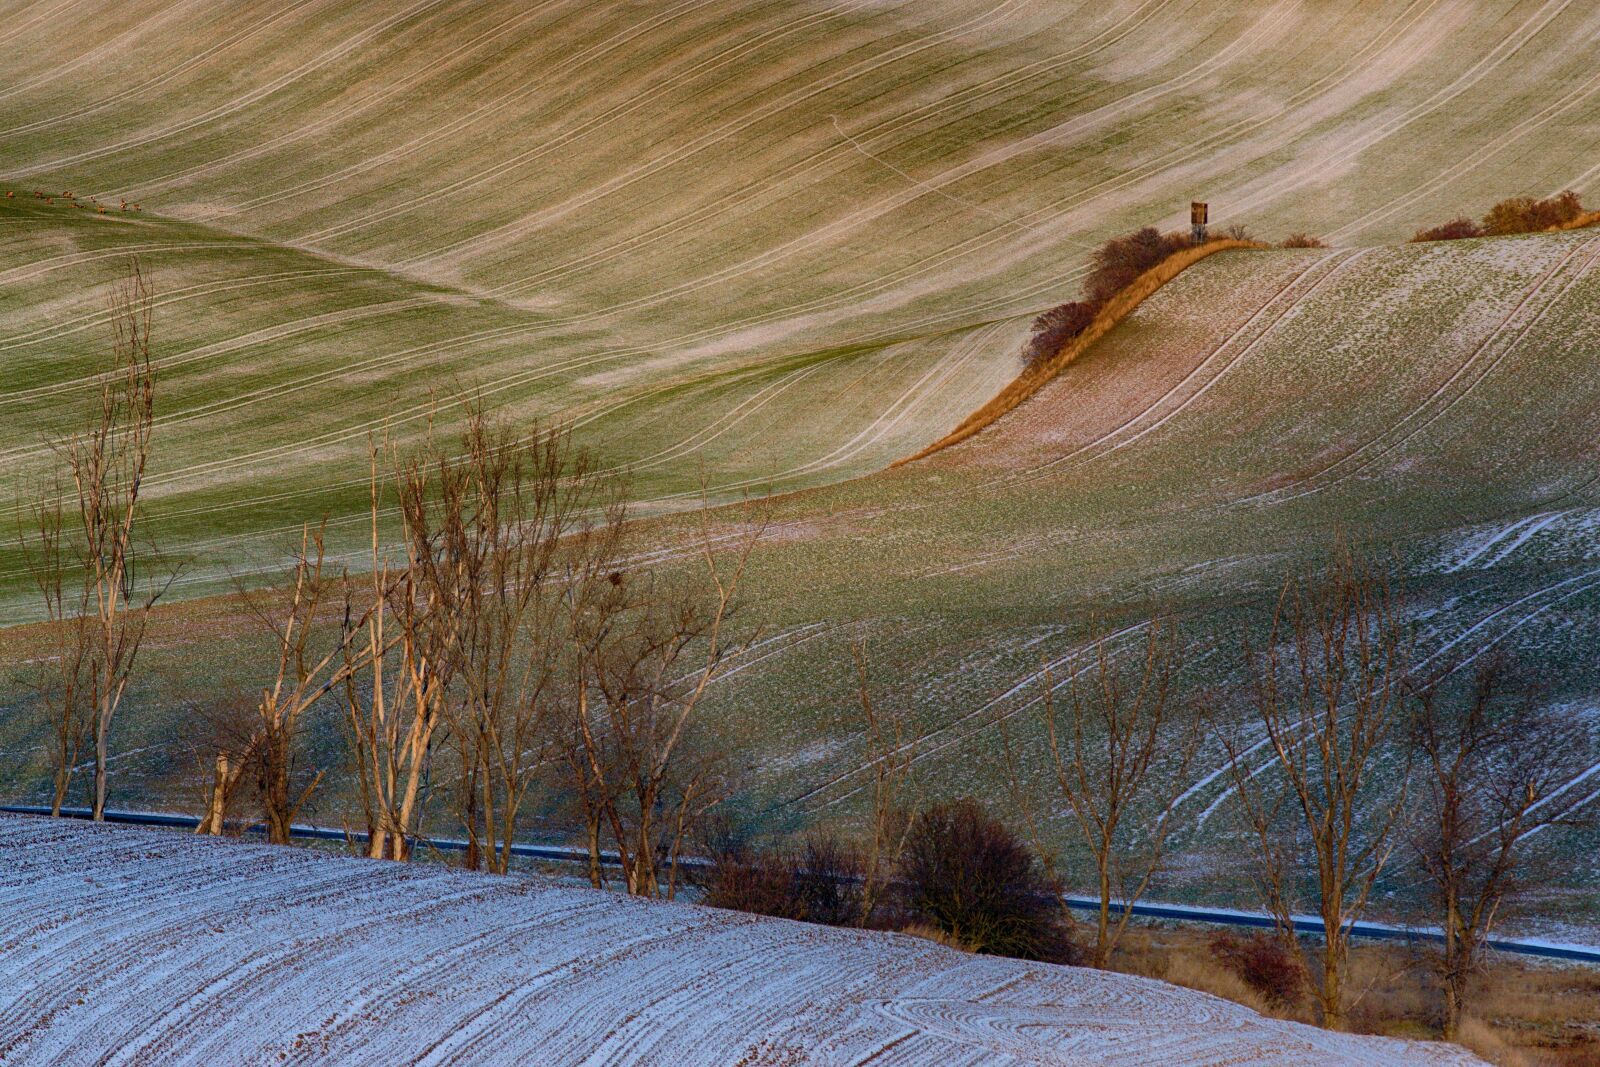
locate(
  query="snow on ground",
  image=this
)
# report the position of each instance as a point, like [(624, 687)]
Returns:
[(121, 946)]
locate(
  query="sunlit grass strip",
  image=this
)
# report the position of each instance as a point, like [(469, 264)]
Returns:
[(1119, 307)]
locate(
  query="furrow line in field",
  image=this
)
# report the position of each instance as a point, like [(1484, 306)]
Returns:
[(240, 103), (38, 267), (559, 140), (329, 118), (1500, 342), (142, 87)]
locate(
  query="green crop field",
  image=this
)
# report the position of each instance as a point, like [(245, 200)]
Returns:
[(763, 249)]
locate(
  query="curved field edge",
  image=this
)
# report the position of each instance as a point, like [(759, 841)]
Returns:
[(186, 950), (1118, 308)]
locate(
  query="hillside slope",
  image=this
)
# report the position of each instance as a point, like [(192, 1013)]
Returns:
[(823, 223), (146, 947), (1438, 399)]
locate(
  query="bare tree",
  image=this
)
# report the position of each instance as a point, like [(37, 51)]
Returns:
[(1328, 689), (1490, 760), (391, 722), (61, 678), (303, 676), (106, 462), (891, 753), (1120, 760), (223, 743), (646, 652), (495, 536)]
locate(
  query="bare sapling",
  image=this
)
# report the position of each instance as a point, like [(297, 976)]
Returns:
[(1490, 761), (106, 461), (647, 650), (1328, 690), (891, 752), (1120, 757), (394, 704), (303, 676), (61, 678), (224, 748)]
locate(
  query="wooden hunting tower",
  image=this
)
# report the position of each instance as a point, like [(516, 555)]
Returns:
[(1199, 215)]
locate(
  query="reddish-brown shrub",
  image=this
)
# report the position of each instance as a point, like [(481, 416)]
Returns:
[(1302, 240), (966, 874), (1055, 328), (1263, 963), (1120, 260), (1525, 214), (1454, 230)]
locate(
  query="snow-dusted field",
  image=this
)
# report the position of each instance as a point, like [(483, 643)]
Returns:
[(121, 946)]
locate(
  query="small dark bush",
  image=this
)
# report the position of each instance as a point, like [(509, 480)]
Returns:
[(1262, 963), (762, 883), (968, 876), (1302, 240), (820, 884), (1454, 230), (1239, 232), (1055, 328), (828, 880)]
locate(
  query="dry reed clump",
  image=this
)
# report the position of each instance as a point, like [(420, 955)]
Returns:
[(1036, 376)]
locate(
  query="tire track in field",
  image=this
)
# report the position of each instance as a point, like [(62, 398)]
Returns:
[(478, 113), (112, 47), (56, 330), (985, 714), (1055, 135), (330, 118), (39, 267), (1500, 342), (141, 88), (800, 170), (240, 103), (751, 45)]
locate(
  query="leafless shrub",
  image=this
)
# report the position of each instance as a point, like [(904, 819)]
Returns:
[(967, 875), (1526, 214), (1263, 963), (1302, 240)]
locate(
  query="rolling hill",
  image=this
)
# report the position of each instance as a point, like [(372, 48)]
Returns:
[(776, 243)]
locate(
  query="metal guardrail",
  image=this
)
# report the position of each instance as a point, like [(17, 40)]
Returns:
[(1170, 912)]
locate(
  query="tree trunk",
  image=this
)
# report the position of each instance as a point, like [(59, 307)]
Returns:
[(1103, 928), (99, 811)]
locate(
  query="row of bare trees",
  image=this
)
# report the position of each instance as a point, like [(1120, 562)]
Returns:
[(504, 658), (500, 655), (1357, 765)]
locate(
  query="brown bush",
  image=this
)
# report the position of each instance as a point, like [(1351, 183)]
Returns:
[(1302, 240), (1454, 230), (966, 874), (1055, 328), (1118, 262), (1525, 214), (821, 883), (761, 883), (1263, 963)]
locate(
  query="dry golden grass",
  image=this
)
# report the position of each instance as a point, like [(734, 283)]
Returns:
[(1529, 1014), (1117, 308), (932, 933), (1588, 218)]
